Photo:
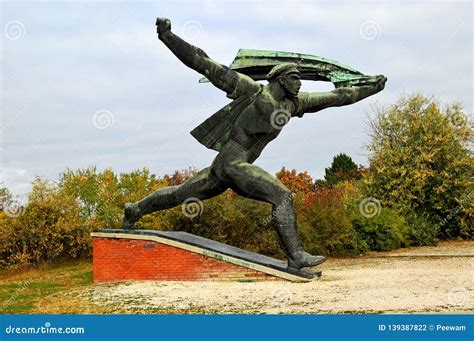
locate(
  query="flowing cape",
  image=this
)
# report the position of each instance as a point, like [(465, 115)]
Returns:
[(215, 131), (258, 63)]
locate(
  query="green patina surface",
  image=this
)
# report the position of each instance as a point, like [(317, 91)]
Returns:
[(242, 129), (258, 63)]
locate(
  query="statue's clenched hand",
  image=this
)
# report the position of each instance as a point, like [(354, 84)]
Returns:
[(162, 25), (375, 83), (380, 82)]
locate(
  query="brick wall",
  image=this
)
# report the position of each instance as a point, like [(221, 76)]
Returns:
[(129, 259)]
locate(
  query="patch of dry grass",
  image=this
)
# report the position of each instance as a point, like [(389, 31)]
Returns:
[(29, 290)]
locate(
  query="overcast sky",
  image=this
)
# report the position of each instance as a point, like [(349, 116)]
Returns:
[(88, 82)]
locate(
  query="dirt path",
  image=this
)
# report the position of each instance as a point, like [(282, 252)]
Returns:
[(415, 280)]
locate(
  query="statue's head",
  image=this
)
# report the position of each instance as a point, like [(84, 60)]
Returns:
[(288, 76)]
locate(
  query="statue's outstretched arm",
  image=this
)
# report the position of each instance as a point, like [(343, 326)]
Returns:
[(316, 101), (230, 81)]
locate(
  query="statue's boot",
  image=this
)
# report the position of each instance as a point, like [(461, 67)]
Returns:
[(297, 257), (131, 216), (284, 221), (301, 259)]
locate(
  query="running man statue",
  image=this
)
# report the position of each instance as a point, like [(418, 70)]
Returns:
[(239, 132)]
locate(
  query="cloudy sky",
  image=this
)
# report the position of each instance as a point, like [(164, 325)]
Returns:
[(88, 82)]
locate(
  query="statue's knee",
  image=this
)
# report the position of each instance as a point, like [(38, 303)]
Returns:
[(232, 170)]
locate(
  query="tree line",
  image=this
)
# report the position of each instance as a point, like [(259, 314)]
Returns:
[(416, 190)]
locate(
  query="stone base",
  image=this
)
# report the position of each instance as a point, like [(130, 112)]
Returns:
[(120, 255)]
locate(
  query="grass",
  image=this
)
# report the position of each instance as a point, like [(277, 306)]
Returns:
[(60, 288), (27, 290)]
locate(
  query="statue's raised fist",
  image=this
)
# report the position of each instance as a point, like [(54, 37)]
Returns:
[(381, 80), (162, 25)]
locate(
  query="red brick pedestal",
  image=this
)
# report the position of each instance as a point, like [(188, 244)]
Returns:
[(177, 256), (128, 259)]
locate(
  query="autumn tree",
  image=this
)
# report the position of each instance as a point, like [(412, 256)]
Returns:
[(296, 182), (180, 176), (421, 162)]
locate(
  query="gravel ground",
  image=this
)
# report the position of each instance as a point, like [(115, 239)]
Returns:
[(415, 280)]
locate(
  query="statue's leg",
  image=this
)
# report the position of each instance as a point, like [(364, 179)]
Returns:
[(202, 186), (253, 182)]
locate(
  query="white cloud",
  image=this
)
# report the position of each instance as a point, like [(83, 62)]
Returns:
[(17, 180)]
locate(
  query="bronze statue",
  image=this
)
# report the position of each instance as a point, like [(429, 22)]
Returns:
[(242, 129)]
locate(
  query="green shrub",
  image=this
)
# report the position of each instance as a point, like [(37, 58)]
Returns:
[(384, 231), (325, 226), (423, 232)]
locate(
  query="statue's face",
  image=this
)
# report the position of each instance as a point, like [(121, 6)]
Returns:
[(291, 83)]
